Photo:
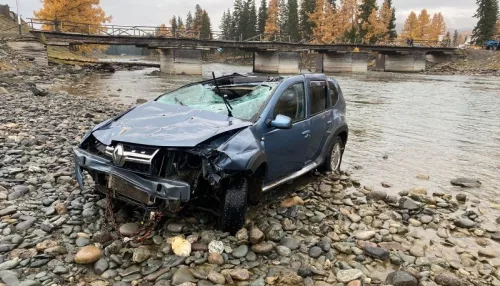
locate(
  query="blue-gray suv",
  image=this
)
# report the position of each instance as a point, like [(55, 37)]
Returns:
[(230, 138)]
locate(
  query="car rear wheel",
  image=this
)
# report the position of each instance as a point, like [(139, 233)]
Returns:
[(234, 205), (333, 159)]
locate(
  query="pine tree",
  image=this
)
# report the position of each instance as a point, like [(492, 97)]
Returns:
[(411, 27), (198, 19), (487, 13), (307, 7), (206, 26), (262, 16), (455, 38), (348, 21), (283, 16), (365, 11), (376, 28), (391, 27), (173, 24), (447, 39), (272, 23), (424, 26), (293, 20), (189, 21), (252, 23)]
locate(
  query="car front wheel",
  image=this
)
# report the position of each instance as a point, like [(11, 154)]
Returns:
[(234, 205), (334, 155)]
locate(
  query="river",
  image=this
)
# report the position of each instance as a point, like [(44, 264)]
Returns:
[(440, 126)]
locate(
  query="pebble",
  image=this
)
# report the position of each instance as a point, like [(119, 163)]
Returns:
[(129, 229), (88, 254), (345, 276)]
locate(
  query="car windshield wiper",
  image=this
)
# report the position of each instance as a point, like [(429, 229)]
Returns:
[(226, 102), (178, 101)]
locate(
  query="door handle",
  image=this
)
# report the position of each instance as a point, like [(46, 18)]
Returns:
[(306, 133), (329, 122)]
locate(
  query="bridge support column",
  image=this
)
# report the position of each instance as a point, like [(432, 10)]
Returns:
[(405, 62), (439, 58), (180, 61), (342, 62), (276, 62)]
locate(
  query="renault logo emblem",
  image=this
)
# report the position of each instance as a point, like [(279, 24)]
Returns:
[(118, 155)]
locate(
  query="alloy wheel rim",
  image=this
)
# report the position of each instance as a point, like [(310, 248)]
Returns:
[(335, 158)]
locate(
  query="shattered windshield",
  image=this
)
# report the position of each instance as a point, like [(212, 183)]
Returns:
[(245, 99)]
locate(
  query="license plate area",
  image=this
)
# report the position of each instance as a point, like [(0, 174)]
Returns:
[(120, 187)]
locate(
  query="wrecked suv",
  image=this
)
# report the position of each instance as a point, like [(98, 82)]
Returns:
[(231, 137)]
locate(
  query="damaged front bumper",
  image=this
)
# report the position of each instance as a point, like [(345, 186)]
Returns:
[(124, 185)]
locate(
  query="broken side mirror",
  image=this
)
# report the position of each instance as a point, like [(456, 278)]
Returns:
[(281, 122)]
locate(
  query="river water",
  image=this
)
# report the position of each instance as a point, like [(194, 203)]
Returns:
[(440, 126)]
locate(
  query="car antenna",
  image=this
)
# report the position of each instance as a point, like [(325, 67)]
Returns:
[(226, 102)]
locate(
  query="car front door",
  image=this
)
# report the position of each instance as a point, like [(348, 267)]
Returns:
[(285, 148), (320, 118)]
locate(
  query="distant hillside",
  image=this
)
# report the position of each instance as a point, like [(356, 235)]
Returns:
[(8, 27)]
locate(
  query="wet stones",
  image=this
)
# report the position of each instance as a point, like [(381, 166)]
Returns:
[(401, 278), (141, 254), (256, 236), (290, 243), (466, 182), (129, 229), (182, 275), (263, 248), (101, 266), (376, 252), (215, 258), (274, 232), (315, 252), (88, 254), (240, 251)]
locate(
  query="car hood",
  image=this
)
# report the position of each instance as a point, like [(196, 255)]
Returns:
[(159, 124)]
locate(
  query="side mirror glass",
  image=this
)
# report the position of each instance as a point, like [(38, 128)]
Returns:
[(282, 122)]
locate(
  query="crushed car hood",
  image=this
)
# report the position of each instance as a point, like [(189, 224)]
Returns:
[(159, 124)]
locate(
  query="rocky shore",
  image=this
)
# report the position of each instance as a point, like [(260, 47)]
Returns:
[(325, 230)]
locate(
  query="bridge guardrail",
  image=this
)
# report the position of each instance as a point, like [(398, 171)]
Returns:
[(168, 32)]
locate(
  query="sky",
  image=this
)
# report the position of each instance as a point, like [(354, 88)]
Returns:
[(458, 13)]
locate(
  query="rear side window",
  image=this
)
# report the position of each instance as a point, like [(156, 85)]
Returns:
[(334, 95), (292, 103), (318, 95)]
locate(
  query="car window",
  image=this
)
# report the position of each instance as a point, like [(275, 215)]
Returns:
[(334, 95), (292, 103), (318, 96)]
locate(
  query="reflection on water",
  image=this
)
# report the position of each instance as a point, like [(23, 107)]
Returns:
[(440, 126)]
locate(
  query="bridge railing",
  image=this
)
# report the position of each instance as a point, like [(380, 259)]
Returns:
[(169, 32)]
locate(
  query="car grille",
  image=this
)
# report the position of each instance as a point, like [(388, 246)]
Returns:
[(135, 158)]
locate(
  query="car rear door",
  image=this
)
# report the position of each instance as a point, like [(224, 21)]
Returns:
[(285, 147), (320, 118)]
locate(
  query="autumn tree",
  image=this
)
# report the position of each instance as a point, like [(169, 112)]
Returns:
[(365, 11), (272, 22), (424, 26), (307, 7), (487, 13), (411, 27), (87, 12), (391, 23), (162, 31), (262, 16), (375, 28), (438, 27), (320, 32), (347, 20)]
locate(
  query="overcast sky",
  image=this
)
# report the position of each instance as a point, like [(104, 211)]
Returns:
[(458, 13)]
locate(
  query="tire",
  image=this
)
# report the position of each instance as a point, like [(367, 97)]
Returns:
[(329, 165), (234, 205), (254, 190)]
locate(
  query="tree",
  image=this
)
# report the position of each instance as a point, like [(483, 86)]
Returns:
[(252, 22), (487, 13), (262, 16), (365, 11), (283, 16), (447, 39), (376, 28), (318, 19), (455, 38), (206, 26), (307, 7), (87, 12), (181, 29), (189, 21), (411, 27), (293, 20), (348, 20), (424, 26), (198, 19), (272, 22), (173, 24), (225, 25), (391, 26), (438, 27), (162, 31)]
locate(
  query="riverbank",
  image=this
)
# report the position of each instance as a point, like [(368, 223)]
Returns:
[(471, 62), (324, 229)]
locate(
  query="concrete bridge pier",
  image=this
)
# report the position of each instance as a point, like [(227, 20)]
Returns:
[(399, 62), (440, 58), (276, 62), (180, 61), (342, 62)]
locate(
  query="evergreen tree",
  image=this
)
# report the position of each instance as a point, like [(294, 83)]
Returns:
[(447, 39), (391, 28), (307, 7), (283, 17), (189, 21), (225, 25), (252, 23), (455, 38), (262, 16), (198, 19), (206, 26), (173, 24), (237, 14), (293, 20), (365, 10), (487, 13)]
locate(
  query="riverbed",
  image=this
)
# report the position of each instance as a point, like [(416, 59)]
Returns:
[(401, 125)]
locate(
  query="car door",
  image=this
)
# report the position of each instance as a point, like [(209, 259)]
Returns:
[(285, 148), (320, 118)]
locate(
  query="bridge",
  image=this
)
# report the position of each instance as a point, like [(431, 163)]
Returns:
[(181, 51)]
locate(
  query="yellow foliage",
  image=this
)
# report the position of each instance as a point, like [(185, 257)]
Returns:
[(330, 23), (163, 31), (438, 27), (375, 28), (272, 28), (424, 26), (411, 27), (76, 16)]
